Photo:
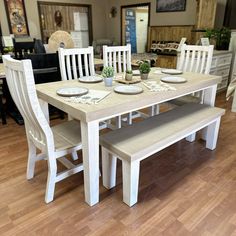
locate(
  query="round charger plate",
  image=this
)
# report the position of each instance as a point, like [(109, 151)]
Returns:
[(172, 71), (173, 79), (128, 89), (72, 91), (90, 79)]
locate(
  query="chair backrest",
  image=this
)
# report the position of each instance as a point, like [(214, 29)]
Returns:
[(76, 60), (194, 58), (119, 57), (20, 81)]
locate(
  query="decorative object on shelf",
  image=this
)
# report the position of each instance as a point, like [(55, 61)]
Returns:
[(60, 39), (221, 36), (113, 12), (16, 16), (144, 69), (170, 5), (58, 18), (128, 75), (108, 74)]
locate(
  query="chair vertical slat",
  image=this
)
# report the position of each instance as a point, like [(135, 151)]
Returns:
[(91, 64), (75, 76), (114, 61), (119, 62), (110, 59), (187, 60), (86, 64), (68, 67), (105, 56), (129, 58), (203, 62), (62, 64), (192, 60), (198, 58), (124, 61), (80, 65)]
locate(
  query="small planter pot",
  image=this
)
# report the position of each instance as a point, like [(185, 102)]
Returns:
[(128, 77), (144, 76), (108, 81)]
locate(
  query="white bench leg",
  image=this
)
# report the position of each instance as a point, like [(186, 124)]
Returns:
[(130, 172), (108, 169), (212, 134), (191, 137)]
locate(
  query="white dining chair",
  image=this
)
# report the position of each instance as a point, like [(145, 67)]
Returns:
[(53, 142), (76, 62), (197, 59), (119, 57)]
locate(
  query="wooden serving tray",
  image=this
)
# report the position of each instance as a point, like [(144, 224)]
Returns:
[(135, 80)]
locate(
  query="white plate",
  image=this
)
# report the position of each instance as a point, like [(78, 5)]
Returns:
[(173, 79), (128, 89), (172, 71), (90, 79), (72, 91)]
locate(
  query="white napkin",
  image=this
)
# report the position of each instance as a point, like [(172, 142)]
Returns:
[(157, 87), (92, 97)]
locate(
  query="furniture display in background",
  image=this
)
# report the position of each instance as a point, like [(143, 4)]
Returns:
[(54, 142), (23, 46), (98, 45), (16, 16), (221, 63), (74, 18)]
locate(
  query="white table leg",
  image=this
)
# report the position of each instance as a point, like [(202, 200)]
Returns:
[(209, 98), (90, 149), (233, 109)]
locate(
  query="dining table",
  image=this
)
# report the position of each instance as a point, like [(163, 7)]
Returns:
[(115, 104)]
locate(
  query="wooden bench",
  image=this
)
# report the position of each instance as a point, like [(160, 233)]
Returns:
[(136, 142)]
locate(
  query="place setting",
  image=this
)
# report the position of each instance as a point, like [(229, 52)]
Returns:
[(91, 79), (82, 95)]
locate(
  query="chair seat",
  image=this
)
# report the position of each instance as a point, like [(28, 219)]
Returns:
[(185, 99), (67, 135)]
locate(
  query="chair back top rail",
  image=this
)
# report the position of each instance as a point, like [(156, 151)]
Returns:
[(76, 62)]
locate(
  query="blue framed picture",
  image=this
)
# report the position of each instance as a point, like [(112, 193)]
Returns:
[(170, 5)]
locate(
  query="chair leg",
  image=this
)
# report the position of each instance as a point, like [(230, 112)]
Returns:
[(191, 137), (130, 172), (108, 169), (129, 118), (51, 179), (74, 156), (212, 134), (32, 158), (118, 122)]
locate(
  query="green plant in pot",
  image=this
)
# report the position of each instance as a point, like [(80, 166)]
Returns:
[(221, 36), (128, 75), (144, 69), (108, 74)]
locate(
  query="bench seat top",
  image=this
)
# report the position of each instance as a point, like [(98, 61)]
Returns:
[(147, 137)]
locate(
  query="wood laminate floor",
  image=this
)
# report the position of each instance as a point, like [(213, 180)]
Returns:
[(184, 190)]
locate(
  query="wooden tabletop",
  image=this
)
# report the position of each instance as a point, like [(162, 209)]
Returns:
[(115, 104)]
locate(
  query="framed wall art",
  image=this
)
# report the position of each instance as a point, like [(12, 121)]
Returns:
[(170, 5), (16, 16)]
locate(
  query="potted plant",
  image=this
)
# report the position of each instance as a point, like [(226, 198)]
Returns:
[(221, 36), (128, 75), (108, 74), (144, 69)]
